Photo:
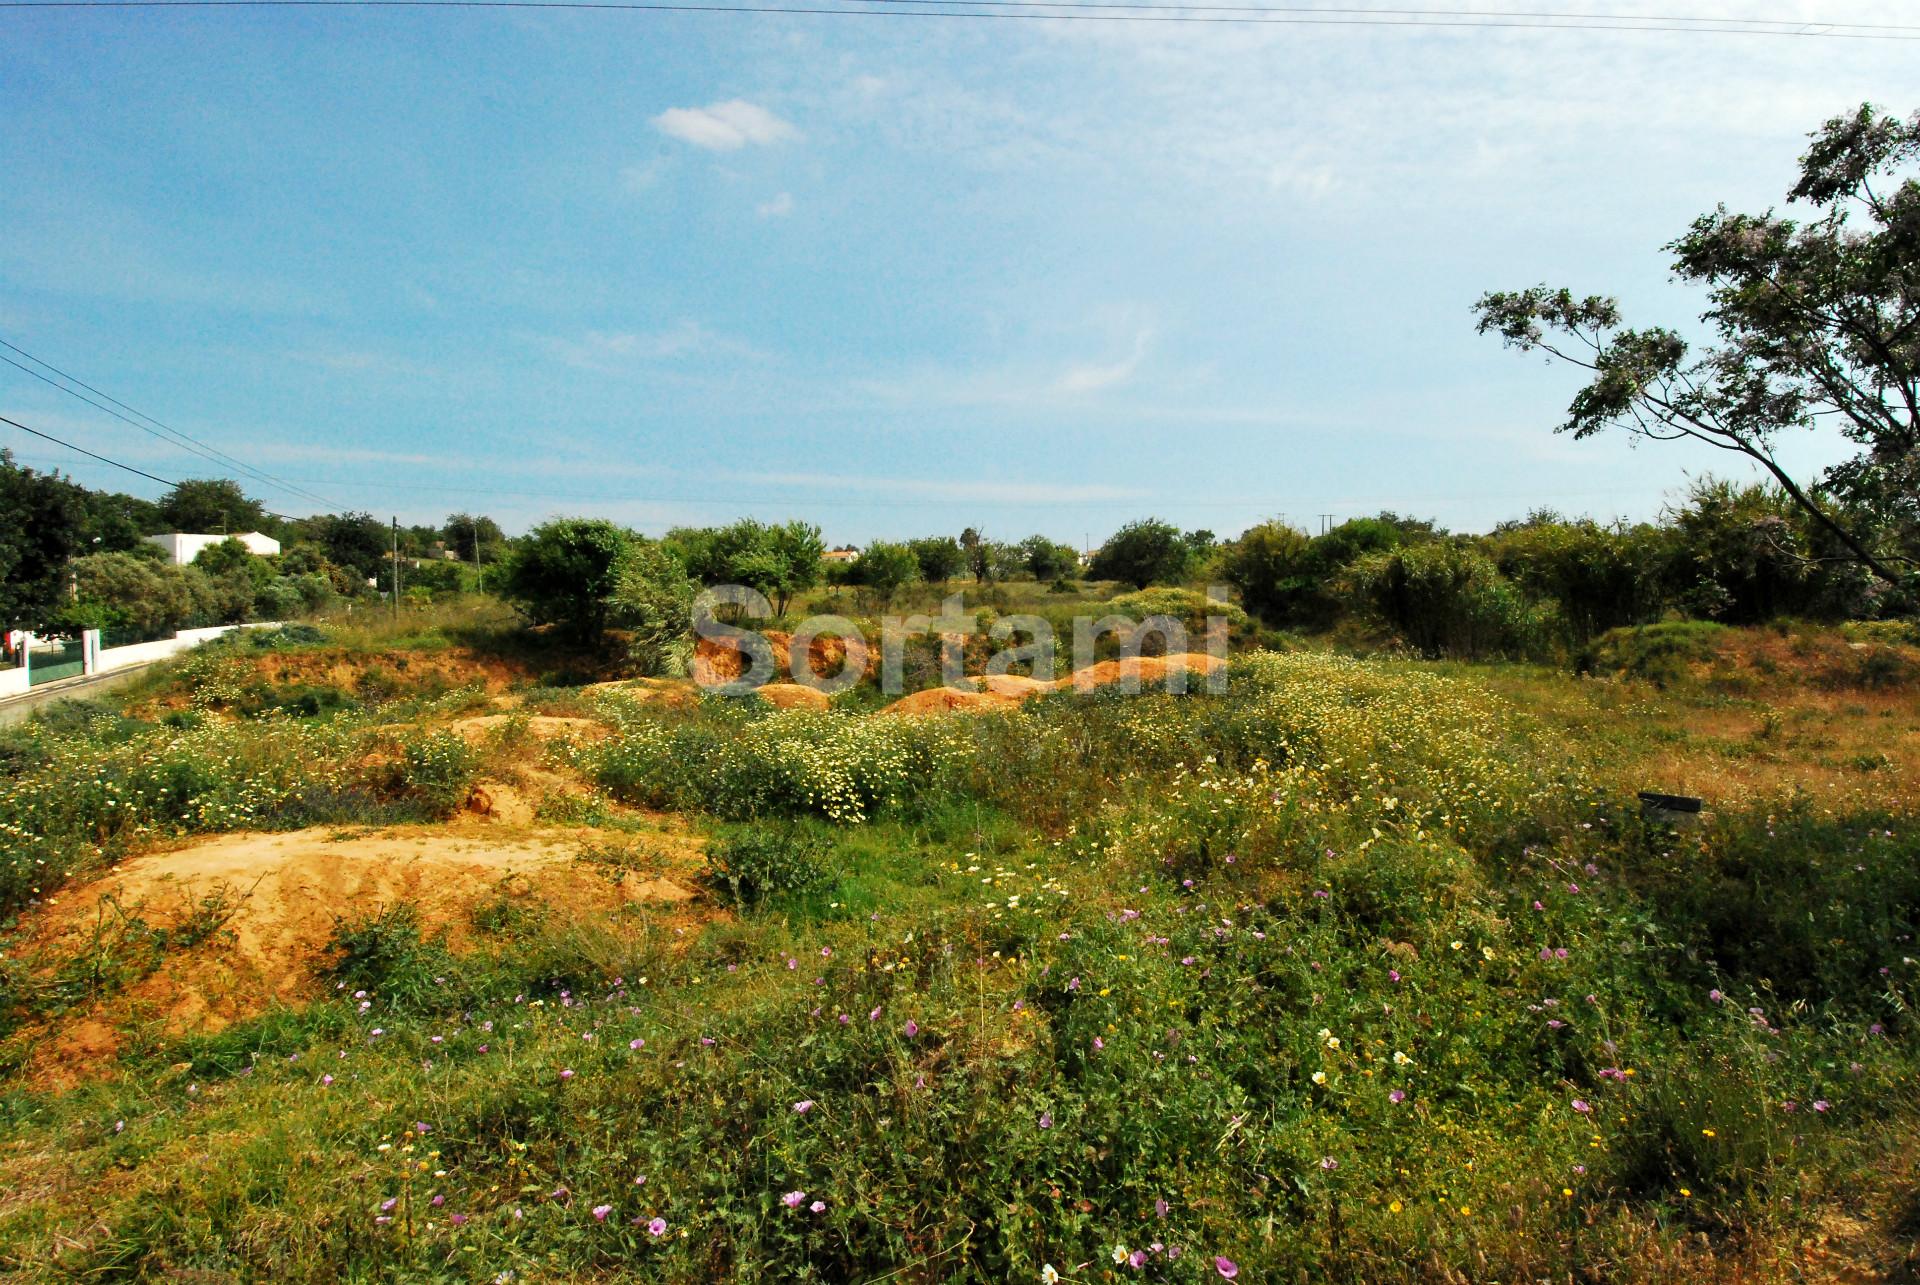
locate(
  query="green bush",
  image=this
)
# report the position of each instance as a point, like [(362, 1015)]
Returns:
[(439, 770), (754, 865), (1446, 598)]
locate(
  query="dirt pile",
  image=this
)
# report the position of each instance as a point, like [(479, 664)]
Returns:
[(283, 895), (1004, 691), (719, 660)]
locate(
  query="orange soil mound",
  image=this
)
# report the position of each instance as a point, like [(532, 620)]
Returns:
[(1003, 691), (1143, 669), (792, 696), (717, 660), (949, 700), (289, 889), (542, 726)]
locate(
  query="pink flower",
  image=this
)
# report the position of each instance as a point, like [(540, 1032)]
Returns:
[(325, 1080), (657, 1227), (1397, 1096), (1137, 1259), (1580, 1105), (636, 1045), (1160, 1207), (793, 1198), (818, 1206), (803, 1106), (1226, 1266), (912, 1028), (567, 1074), (1329, 1164), (874, 1016), (1822, 1105), (1046, 1119), (600, 1212)]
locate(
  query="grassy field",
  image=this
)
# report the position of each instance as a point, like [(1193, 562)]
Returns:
[(1363, 970)]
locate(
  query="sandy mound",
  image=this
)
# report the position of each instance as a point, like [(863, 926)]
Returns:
[(1143, 669), (543, 726), (717, 661), (289, 888), (792, 696), (1002, 691), (949, 700), (1016, 685)]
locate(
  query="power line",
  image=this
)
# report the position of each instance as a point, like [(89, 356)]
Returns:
[(89, 454), (184, 440), (1782, 26), (1265, 17)]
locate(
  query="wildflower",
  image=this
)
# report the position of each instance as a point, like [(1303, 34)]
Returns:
[(1160, 1207), (874, 1016), (1397, 1096), (1401, 1059), (1329, 1164), (1137, 1259), (1046, 1119), (1119, 1254), (325, 1081), (1319, 1077), (818, 1207), (1822, 1105), (1099, 1043), (1580, 1105), (636, 1045), (1225, 1266), (1716, 995), (803, 1106), (600, 1212), (912, 1028), (793, 1198), (1048, 1276), (657, 1227), (566, 1073)]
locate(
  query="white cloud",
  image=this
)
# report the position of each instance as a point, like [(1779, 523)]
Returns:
[(778, 208), (1091, 378), (725, 127)]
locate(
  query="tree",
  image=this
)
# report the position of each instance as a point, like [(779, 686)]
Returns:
[(474, 537), (564, 572), (118, 590), (976, 556), (1048, 560), (1142, 553), (1272, 567), (885, 568), (779, 561), (653, 601), (940, 558), (212, 505), (44, 527), (359, 542), (1817, 322)]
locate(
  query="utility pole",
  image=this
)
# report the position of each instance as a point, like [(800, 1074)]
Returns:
[(396, 568)]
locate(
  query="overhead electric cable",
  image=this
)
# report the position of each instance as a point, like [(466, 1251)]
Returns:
[(173, 435)]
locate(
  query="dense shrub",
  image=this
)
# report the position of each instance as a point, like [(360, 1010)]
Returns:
[(1447, 599)]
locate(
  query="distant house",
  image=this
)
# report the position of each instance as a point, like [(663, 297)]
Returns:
[(848, 554), (182, 548)]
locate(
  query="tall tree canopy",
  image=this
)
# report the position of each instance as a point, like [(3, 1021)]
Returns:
[(211, 506), (1815, 323)]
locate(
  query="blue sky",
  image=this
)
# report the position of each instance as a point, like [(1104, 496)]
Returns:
[(896, 276)]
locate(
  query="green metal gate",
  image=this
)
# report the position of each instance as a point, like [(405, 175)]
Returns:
[(49, 662)]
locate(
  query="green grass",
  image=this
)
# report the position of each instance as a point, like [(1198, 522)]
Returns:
[(1356, 972)]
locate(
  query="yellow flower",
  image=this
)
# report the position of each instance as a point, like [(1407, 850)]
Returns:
[(1686, 1191), (1394, 1207), (1707, 1133)]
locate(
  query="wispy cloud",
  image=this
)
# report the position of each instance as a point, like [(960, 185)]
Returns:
[(725, 127), (946, 489), (613, 350), (778, 208), (1093, 378)]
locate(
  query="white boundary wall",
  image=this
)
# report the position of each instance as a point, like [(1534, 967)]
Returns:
[(99, 660)]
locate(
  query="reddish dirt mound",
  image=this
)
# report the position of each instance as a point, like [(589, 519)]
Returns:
[(289, 888), (718, 660), (1002, 691), (792, 696), (949, 700), (1143, 669), (541, 726)]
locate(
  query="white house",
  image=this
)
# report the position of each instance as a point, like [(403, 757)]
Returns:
[(183, 549)]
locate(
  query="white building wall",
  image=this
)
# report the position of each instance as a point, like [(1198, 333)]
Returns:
[(182, 548)]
